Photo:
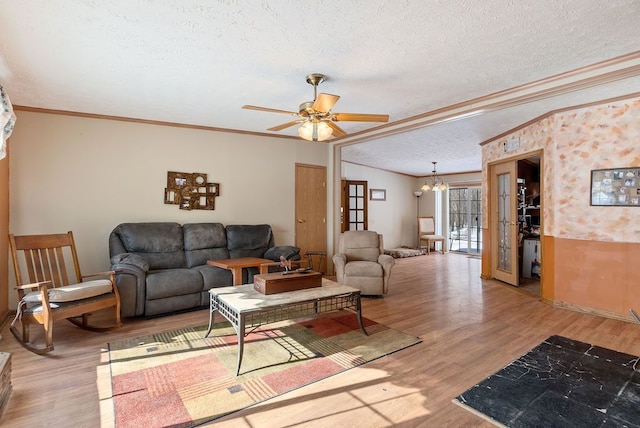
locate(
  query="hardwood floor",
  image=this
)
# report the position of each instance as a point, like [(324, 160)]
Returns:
[(470, 329)]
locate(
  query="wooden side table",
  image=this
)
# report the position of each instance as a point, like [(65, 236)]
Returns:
[(310, 254), (236, 265)]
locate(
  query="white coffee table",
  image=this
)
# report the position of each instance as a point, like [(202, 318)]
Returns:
[(244, 307)]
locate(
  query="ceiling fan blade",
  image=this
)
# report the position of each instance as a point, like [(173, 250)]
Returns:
[(360, 117), (337, 131), (271, 110), (285, 125), (324, 102)]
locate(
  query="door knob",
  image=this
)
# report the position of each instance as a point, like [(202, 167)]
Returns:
[(300, 220)]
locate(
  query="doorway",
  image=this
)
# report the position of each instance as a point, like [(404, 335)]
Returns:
[(529, 224), (465, 220), (516, 222)]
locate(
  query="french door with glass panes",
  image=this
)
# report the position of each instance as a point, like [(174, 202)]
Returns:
[(465, 219), (354, 205), (504, 233)]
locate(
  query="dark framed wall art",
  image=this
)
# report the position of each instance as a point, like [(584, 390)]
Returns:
[(615, 187)]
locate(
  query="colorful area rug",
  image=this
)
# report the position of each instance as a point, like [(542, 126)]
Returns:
[(561, 383), (180, 379)]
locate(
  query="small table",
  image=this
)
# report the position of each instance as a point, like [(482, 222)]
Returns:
[(236, 265), (245, 307), (310, 255)]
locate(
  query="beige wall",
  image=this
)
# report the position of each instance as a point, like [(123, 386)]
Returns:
[(88, 175), (574, 143), (394, 218)]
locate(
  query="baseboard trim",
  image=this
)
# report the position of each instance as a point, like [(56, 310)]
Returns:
[(592, 311)]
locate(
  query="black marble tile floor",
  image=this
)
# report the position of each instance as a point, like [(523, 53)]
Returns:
[(561, 383)]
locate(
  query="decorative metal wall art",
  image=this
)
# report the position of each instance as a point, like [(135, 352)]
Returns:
[(190, 191)]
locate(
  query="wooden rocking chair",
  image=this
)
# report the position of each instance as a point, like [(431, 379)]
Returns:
[(48, 295)]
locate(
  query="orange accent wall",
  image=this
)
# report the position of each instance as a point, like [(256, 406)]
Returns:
[(485, 272), (587, 251), (596, 274), (548, 257)]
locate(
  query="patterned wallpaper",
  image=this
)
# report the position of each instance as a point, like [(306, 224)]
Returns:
[(573, 143)]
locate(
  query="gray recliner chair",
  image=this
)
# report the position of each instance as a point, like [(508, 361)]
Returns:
[(361, 262)]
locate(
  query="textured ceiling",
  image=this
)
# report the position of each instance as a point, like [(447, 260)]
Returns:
[(199, 62)]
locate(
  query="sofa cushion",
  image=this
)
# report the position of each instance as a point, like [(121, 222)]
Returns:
[(289, 252), (360, 245), (173, 282), (363, 268), (249, 240), (151, 237), (160, 244), (204, 241), (214, 276), (173, 304)]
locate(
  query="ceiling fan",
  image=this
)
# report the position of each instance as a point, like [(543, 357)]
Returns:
[(317, 119)]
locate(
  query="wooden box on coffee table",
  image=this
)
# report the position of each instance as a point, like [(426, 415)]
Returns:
[(272, 283)]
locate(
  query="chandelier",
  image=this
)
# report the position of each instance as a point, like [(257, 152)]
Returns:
[(434, 183)]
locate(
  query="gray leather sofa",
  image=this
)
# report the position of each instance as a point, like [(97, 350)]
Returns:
[(162, 267)]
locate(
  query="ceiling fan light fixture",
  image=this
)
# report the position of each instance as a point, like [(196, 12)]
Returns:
[(306, 131), (319, 123), (314, 130), (324, 131)]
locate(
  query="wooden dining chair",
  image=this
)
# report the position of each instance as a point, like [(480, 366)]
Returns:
[(52, 288)]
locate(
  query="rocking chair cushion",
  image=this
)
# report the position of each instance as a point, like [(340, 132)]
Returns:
[(69, 293)]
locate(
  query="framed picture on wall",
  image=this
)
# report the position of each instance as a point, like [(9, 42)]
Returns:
[(615, 187), (377, 194)]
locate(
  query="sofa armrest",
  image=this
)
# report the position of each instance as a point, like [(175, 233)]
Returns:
[(339, 261), (387, 263), (130, 260), (289, 252), (131, 280)]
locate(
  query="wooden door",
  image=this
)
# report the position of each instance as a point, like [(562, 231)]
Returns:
[(504, 231), (311, 211), (354, 209)]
